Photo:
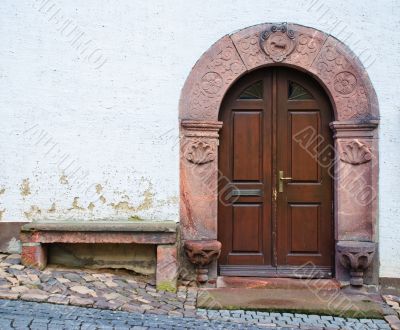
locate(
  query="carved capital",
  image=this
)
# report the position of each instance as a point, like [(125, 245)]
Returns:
[(354, 129), (199, 145), (201, 254), (200, 128), (356, 257), (199, 152), (355, 152)]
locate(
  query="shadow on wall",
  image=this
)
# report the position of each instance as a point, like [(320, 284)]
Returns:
[(138, 258)]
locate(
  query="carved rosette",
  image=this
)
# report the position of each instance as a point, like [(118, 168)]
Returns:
[(356, 257), (201, 254), (355, 153), (278, 42), (345, 83)]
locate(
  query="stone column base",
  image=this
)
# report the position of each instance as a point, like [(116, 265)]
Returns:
[(34, 255), (167, 268)]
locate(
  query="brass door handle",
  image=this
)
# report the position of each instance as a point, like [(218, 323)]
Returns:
[(281, 179)]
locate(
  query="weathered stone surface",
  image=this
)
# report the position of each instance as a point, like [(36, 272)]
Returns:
[(38, 297), (58, 299), (99, 237), (106, 226), (394, 321), (34, 255), (8, 295), (79, 301), (167, 268), (83, 290)]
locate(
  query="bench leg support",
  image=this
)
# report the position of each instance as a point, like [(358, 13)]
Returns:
[(167, 268), (34, 255)]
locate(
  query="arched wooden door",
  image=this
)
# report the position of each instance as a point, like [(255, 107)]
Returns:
[(275, 213)]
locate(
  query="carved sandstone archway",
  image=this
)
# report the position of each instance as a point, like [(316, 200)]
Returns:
[(356, 112)]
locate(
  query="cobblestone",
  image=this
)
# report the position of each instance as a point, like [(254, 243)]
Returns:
[(122, 300), (18, 314)]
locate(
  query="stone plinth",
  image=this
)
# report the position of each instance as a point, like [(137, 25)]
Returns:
[(356, 257), (201, 254)]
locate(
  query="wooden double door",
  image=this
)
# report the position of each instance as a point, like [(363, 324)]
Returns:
[(275, 213)]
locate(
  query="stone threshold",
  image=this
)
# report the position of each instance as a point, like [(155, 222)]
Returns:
[(276, 283), (307, 301)]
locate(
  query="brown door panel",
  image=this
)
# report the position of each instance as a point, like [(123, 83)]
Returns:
[(275, 120)]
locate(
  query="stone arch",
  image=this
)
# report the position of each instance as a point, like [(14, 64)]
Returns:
[(356, 112), (330, 61)]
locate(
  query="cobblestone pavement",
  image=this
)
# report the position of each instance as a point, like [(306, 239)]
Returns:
[(90, 288), (122, 300), (17, 314)]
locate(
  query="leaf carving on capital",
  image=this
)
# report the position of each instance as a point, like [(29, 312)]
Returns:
[(200, 152), (355, 153), (278, 42)]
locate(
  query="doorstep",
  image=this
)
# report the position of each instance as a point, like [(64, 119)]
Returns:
[(323, 297), (276, 283)]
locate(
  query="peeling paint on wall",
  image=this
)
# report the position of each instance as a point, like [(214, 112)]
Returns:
[(25, 187), (99, 188), (63, 179), (52, 209), (1, 213), (33, 212), (2, 191), (75, 205)]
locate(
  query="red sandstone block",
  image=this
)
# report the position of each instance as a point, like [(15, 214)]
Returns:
[(167, 268), (34, 255)]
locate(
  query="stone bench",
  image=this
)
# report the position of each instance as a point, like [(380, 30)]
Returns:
[(36, 236)]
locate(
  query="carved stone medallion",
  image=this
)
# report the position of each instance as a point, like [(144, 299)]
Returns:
[(211, 82), (278, 42), (345, 82)]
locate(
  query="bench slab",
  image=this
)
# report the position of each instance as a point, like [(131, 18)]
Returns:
[(129, 226), (100, 232)]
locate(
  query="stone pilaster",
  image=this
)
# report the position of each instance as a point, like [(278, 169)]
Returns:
[(199, 178), (199, 183), (356, 183)]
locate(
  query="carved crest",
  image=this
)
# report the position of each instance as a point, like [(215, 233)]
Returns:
[(278, 42), (200, 152), (356, 153)]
